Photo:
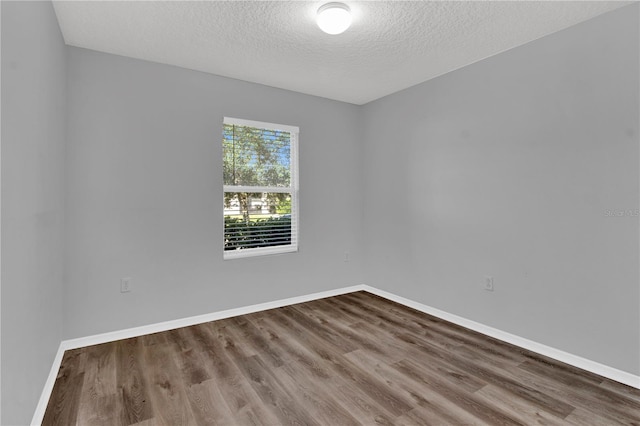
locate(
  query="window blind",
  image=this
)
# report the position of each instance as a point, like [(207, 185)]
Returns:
[(260, 188)]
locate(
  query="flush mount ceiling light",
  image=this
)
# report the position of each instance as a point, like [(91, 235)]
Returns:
[(334, 18)]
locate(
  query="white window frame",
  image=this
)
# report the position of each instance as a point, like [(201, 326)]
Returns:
[(293, 189)]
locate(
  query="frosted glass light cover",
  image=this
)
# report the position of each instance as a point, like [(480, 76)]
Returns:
[(334, 18)]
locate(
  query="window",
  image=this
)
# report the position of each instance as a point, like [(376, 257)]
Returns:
[(260, 188)]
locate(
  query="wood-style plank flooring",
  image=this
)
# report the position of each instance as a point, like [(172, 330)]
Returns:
[(355, 359)]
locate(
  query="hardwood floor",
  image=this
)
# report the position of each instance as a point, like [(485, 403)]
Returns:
[(355, 359)]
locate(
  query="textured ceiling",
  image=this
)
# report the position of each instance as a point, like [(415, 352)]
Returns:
[(390, 46)]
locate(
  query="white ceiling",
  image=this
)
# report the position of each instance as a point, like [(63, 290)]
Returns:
[(391, 45)]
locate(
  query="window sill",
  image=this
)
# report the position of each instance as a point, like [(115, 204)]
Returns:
[(255, 252)]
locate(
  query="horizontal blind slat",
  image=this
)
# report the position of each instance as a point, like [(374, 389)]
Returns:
[(243, 189)]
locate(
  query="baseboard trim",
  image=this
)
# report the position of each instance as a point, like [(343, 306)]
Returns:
[(199, 319), (568, 358), (38, 416), (97, 339)]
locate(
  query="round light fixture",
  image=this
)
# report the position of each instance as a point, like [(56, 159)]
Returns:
[(334, 18)]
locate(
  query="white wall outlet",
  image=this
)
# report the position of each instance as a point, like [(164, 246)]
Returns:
[(488, 283), (125, 285), (346, 256)]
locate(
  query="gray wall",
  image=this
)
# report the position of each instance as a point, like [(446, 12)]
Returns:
[(33, 138), (144, 193), (507, 168)]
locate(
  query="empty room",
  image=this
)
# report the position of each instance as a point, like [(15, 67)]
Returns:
[(320, 213)]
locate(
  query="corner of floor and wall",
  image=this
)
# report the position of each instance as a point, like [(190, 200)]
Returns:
[(523, 167)]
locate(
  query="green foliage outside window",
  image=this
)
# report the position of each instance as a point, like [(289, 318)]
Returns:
[(256, 157)]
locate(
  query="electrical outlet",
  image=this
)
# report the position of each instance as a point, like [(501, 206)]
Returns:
[(346, 256), (125, 285), (488, 283)]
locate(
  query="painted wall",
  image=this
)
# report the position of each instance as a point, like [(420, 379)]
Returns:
[(144, 194), (511, 168), (33, 153)]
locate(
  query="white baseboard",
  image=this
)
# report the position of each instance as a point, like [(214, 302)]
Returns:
[(48, 387), (574, 360), (97, 339), (199, 319), (568, 358)]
